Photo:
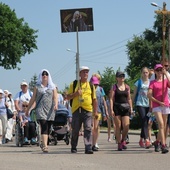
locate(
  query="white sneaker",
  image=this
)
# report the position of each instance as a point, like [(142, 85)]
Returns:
[(109, 140), (0, 142), (97, 146)]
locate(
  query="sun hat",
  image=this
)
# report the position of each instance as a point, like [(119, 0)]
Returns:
[(84, 68), (158, 66), (94, 80), (118, 73), (6, 91), (1, 91)]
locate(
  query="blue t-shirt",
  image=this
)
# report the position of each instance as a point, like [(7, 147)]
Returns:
[(142, 99)]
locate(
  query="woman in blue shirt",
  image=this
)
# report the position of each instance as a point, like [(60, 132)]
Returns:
[(142, 104)]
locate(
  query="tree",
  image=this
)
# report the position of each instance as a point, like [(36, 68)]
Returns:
[(33, 82), (146, 50), (108, 78), (16, 38)]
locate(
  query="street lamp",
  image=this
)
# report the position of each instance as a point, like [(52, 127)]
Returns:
[(77, 63)]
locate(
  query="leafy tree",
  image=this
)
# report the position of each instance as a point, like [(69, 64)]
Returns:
[(33, 82), (146, 50), (16, 38), (107, 78)]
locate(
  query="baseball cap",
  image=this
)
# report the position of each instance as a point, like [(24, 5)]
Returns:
[(24, 83), (94, 80), (84, 68), (118, 73), (158, 66)]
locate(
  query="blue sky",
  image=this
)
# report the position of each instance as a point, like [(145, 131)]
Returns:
[(115, 22)]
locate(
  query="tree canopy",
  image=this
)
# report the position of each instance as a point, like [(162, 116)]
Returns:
[(16, 38), (146, 50)]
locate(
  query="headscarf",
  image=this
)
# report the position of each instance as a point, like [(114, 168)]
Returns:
[(51, 85)]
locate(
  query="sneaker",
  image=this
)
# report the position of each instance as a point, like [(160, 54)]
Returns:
[(147, 144), (109, 140), (164, 149), (33, 141), (97, 146), (26, 140), (94, 148), (141, 143), (124, 145), (0, 141), (88, 151), (119, 147), (73, 150), (156, 145)]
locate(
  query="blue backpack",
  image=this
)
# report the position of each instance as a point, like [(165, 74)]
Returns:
[(100, 101)]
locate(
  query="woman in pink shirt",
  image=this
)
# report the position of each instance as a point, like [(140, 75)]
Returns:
[(158, 94)]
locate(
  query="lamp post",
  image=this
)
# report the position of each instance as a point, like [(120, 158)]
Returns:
[(77, 62)]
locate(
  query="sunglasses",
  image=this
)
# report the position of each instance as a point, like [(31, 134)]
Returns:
[(121, 76), (44, 74), (24, 105), (158, 70), (166, 65)]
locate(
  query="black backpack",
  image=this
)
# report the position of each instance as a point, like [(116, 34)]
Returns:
[(74, 86)]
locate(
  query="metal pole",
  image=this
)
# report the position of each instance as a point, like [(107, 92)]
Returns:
[(78, 68), (77, 58)]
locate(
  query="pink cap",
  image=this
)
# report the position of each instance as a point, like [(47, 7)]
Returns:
[(94, 80), (158, 66)]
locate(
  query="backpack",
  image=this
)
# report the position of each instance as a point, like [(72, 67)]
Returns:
[(74, 86), (138, 88), (100, 101)]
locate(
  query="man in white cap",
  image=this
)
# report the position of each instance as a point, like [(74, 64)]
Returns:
[(84, 102), (22, 96)]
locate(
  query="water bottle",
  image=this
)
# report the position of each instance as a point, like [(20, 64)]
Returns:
[(149, 114), (132, 115)]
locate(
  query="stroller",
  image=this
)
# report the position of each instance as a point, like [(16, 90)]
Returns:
[(60, 129)]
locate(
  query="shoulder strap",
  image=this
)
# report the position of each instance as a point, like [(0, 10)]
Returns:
[(74, 85), (20, 94)]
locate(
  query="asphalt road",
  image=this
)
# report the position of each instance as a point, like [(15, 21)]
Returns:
[(60, 158)]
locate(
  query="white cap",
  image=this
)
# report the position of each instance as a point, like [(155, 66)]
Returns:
[(84, 68), (24, 83)]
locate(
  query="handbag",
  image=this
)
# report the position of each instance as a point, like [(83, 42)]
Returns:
[(124, 107), (10, 114)]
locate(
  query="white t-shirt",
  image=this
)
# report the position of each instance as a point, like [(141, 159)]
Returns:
[(23, 97)]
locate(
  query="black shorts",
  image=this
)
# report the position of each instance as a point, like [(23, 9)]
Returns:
[(119, 112)]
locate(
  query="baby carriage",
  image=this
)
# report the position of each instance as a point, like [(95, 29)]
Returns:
[(19, 130), (60, 128)]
